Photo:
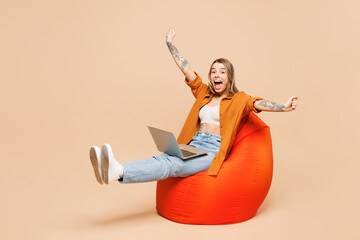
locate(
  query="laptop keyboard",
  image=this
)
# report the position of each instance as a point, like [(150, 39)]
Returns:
[(187, 153)]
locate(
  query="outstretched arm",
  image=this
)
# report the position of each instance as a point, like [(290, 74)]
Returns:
[(180, 61), (268, 106)]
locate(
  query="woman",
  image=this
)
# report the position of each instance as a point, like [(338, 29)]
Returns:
[(218, 113)]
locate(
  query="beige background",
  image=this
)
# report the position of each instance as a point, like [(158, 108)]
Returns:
[(81, 73)]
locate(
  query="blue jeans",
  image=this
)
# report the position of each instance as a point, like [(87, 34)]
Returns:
[(164, 166)]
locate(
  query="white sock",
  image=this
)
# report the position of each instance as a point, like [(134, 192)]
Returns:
[(116, 170), (111, 169), (120, 171)]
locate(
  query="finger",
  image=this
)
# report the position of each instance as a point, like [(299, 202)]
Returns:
[(292, 98)]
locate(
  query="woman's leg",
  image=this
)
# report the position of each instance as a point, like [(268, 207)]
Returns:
[(160, 166), (164, 166)]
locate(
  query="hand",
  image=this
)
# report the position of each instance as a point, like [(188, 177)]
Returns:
[(170, 35), (290, 104)]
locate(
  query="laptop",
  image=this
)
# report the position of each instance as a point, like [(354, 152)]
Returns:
[(165, 142)]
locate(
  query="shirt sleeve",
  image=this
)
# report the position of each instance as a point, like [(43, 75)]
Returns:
[(250, 104), (196, 85)]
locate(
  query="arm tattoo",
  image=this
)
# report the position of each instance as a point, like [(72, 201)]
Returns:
[(183, 62), (271, 105)]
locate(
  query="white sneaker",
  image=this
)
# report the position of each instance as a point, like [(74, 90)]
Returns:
[(95, 161), (110, 168)]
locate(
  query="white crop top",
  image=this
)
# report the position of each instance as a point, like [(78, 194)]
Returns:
[(210, 114)]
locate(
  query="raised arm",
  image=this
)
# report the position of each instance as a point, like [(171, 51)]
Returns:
[(268, 106), (180, 61)]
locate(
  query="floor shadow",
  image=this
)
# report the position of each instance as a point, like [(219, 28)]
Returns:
[(120, 219), (264, 207)]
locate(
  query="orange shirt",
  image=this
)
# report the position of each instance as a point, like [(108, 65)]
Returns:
[(234, 111)]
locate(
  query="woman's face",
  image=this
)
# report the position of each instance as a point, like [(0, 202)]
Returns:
[(218, 78)]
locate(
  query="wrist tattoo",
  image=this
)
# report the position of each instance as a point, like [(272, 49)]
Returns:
[(272, 105), (183, 62), (172, 49)]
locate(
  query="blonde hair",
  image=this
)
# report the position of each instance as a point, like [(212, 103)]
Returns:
[(230, 72)]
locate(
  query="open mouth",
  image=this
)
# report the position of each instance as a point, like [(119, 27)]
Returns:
[(218, 84)]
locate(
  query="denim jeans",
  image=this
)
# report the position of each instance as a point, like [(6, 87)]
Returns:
[(163, 165)]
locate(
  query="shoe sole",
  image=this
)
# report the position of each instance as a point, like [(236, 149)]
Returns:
[(105, 162), (95, 163)]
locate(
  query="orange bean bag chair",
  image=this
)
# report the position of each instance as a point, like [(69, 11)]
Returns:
[(235, 194)]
